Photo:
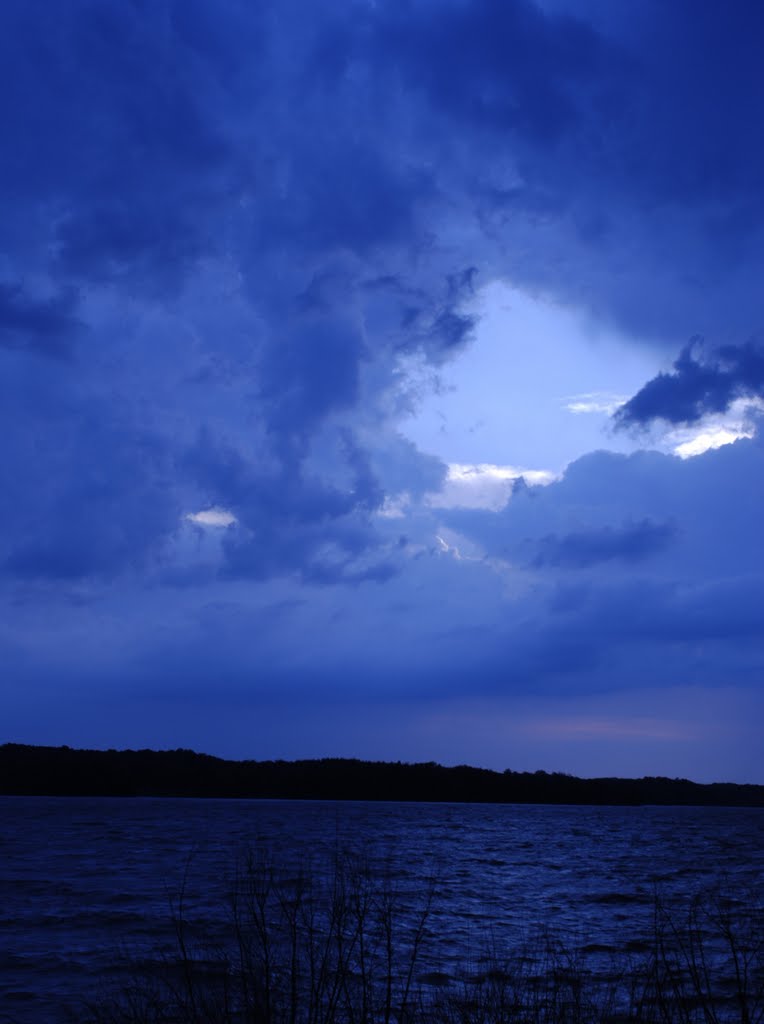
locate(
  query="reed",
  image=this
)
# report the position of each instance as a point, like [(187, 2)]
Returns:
[(349, 944)]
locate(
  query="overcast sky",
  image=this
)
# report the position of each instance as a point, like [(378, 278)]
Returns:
[(384, 379)]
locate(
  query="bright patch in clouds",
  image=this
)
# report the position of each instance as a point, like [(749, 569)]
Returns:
[(595, 401), (214, 517), (716, 431), (707, 440), (507, 398), (483, 485)]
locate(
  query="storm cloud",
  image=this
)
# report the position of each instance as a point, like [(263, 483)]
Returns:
[(698, 385), (239, 247)]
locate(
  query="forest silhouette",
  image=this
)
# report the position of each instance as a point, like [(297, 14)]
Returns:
[(64, 771)]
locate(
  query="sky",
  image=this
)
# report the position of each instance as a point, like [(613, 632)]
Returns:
[(384, 379)]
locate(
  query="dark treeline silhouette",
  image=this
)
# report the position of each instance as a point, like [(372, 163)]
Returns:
[(62, 771)]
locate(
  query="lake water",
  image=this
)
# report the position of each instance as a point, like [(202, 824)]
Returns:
[(87, 882)]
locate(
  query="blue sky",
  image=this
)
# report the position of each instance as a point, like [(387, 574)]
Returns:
[(385, 380)]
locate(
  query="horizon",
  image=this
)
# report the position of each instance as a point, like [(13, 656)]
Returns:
[(385, 379)]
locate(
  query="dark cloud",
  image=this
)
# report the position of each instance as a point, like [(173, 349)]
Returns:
[(164, 160), (289, 519), (645, 502), (353, 196), (47, 326), (620, 152), (312, 371), (697, 386), (87, 496), (671, 592), (112, 144), (505, 66), (138, 241), (632, 542), (403, 469), (252, 236)]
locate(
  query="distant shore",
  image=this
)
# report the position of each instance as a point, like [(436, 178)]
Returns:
[(62, 771)]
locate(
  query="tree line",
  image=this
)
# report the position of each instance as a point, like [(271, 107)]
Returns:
[(63, 771)]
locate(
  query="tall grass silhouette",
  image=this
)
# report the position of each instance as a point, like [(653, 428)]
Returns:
[(348, 943)]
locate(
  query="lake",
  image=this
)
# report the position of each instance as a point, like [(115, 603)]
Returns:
[(87, 884)]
